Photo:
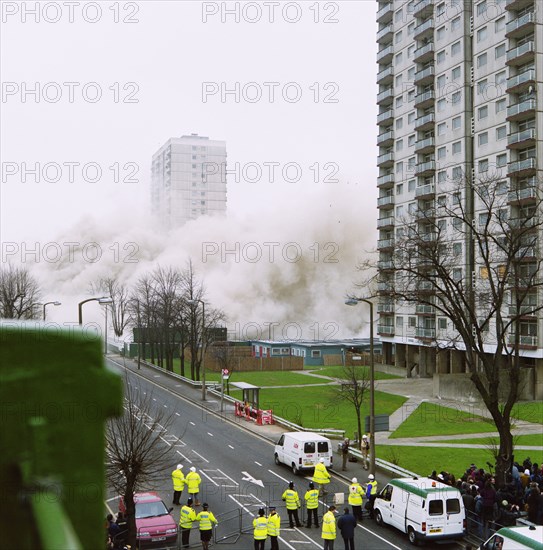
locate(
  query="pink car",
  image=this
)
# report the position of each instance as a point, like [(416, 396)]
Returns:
[(155, 525)]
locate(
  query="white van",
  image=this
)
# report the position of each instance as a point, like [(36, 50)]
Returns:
[(516, 538), (302, 450), (425, 509)]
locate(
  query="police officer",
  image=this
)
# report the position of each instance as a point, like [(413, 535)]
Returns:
[(311, 498), (356, 493), (365, 447), (187, 516), (329, 528), (193, 481), (274, 524), (371, 493), (206, 521), (321, 476), (178, 480), (260, 533), (292, 500)]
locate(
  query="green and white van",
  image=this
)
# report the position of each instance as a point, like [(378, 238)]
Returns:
[(425, 509), (516, 538)]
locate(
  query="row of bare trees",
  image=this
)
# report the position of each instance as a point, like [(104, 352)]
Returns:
[(165, 308), (19, 293)]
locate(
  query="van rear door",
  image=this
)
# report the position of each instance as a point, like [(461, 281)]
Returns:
[(454, 515), (435, 517)]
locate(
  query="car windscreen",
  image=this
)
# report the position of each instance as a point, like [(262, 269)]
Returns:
[(322, 446), (150, 509)]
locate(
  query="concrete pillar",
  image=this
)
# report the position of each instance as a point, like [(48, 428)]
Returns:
[(538, 386), (387, 353), (412, 359), (399, 359), (423, 361), (457, 362), (442, 361)]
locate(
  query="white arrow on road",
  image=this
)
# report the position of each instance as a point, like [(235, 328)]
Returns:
[(249, 477)]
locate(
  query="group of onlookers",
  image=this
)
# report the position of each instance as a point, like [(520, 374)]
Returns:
[(487, 504)]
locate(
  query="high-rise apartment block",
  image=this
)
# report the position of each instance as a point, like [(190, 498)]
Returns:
[(460, 92), (188, 179)]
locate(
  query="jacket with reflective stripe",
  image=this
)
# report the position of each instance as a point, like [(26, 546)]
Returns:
[(193, 480), (178, 480), (329, 526), (321, 475), (371, 488), (290, 496), (206, 519), (312, 499), (355, 494), (188, 515), (274, 523), (261, 528)]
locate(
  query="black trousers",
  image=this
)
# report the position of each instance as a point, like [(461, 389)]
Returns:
[(312, 512), (293, 517), (357, 512), (185, 535), (349, 543), (259, 544), (274, 543), (176, 496)]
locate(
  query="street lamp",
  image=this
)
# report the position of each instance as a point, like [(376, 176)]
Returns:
[(103, 300), (354, 302), (55, 303), (193, 303)]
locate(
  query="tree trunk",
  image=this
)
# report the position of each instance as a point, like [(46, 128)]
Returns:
[(131, 517), (359, 422)]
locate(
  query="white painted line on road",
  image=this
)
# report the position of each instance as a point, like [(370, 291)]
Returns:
[(178, 385), (309, 538), (156, 375), (177, 414), (277, 475), (258, 463), (154, 399), (231, 447), (167, 442), (165, 406), (113, 498), (210, 434), (286, 543), (210, 478), (186, 458), (240, 505), (192, 423), (204, 459), (228, 477), (379, 537)]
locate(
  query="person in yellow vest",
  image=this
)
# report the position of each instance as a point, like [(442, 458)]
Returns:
[(292, 501), (321, 476), (356, 494), (329, 528), (274, 524), (187, 516), (260, 533), (178, 480), (311, 498), (193, 481), (371, 493), (206, 521)]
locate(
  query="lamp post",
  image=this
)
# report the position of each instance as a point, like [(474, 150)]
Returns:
[(103, 300), (193, 303), (55, 303), (354, 302)]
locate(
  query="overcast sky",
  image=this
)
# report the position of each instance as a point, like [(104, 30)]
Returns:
[(109, 93)]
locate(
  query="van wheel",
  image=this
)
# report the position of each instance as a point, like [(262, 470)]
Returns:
[(295, 470), (378, 517), (412, 536), (277, 459)]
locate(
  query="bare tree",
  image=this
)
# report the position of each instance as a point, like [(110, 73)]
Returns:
[(136, 455), (472, 259), (19, 293), (353, 387), (118, 292)]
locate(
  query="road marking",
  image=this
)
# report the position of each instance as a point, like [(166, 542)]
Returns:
[(277, 475), (308, 538), (248, 477), (204, 459), (165, 406), (240, 505), (186, 458), (191, 422), (210, 434), (177, 414), (113, 498), (210, 478), (231, 446), (156, 375), (258, 463), (379, 537)]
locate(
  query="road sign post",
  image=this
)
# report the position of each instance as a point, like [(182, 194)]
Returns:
[(225, 374)]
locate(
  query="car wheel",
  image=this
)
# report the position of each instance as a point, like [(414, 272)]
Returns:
[(295, 470), (277, 459), (412, 536), (378, 517)]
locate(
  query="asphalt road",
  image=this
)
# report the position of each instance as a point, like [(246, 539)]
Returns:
[(239, 475)]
